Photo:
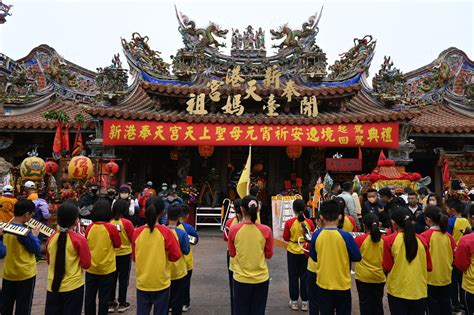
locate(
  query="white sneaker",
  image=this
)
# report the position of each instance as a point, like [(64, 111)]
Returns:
[(304, 306), (186, 308), (294, 305)]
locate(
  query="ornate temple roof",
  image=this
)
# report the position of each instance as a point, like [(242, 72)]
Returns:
[(437, 98)]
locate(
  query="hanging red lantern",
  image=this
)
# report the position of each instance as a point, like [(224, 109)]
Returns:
[(51, 167), (206, 151), (111, 168), (80, 167), (174, 154), (294, 151)]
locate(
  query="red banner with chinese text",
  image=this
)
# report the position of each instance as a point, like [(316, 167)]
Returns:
[(147, 133), (343, 165)]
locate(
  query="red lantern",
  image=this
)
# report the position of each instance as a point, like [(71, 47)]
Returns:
[(206, 151), (111, 167), (51, 167), (294, 151), (174, 154)]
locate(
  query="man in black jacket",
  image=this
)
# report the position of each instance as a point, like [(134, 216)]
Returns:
[(390, 200), (87, 200), (375, 205)]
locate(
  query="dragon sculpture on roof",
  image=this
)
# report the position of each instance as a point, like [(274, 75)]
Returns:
[(199, 37), (355, 60), (145, 57), (297, 38)]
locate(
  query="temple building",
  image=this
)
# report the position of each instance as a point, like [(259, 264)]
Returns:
[(194, 119)]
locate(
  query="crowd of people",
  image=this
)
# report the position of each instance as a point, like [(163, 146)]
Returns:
[(416, 245)]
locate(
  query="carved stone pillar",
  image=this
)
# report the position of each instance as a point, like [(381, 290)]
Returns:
[(98, 150), (401, 156)]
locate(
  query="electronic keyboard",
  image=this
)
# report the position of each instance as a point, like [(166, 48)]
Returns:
[(14, 229), (44, 229)]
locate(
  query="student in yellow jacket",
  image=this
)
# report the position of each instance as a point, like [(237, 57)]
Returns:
[(296, 259), (19, 267), (67, 253), (407, 261), (189, 258), (179, 269), (102, 237), (250, 244), (369, 275), (154, 248), (442, 247)]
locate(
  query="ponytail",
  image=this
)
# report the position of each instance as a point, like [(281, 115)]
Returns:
[(67, 215), (60, 261), (153, 211), (437, 216), (299, 207), (371, 222), (411, 243), (250, 204), (301, 217), (401, 216), (443, 223), (120, 208)]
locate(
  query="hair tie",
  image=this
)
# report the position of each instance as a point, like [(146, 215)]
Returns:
[(375, 223), (61, 230), (253, 203), (406, 218)]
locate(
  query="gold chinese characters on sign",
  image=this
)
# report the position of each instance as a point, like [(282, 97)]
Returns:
[(196, 104)]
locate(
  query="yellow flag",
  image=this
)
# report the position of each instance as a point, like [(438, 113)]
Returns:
[(243, 186)]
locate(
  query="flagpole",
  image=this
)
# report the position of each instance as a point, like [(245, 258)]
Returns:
[(250, 165)]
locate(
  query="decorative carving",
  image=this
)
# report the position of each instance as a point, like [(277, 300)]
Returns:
[(17, 87), (401, 156), (150, 60), (297, 38), (439, 77), (199, 37), (236, 40), (4, 11), (355, 60), (312, 64), (59, 72), (111, 81), (388, 84)]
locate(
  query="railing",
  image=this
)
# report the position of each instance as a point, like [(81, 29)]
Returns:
[(208, 216)]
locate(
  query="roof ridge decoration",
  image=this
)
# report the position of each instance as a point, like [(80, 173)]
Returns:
[(355, 61), (43, 70), (112, 82), (389, 86), (450, 78), (4, 11), (199, 37), (142, 58)]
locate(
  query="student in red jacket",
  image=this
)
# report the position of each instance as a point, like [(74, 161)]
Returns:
[(407, 260), (296, 259), (154, 249), (123, 255), (441, 245), (250, 244), (67, 253), (369, 275), (102, 238)]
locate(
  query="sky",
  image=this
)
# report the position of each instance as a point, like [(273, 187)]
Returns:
[(88, 32)]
